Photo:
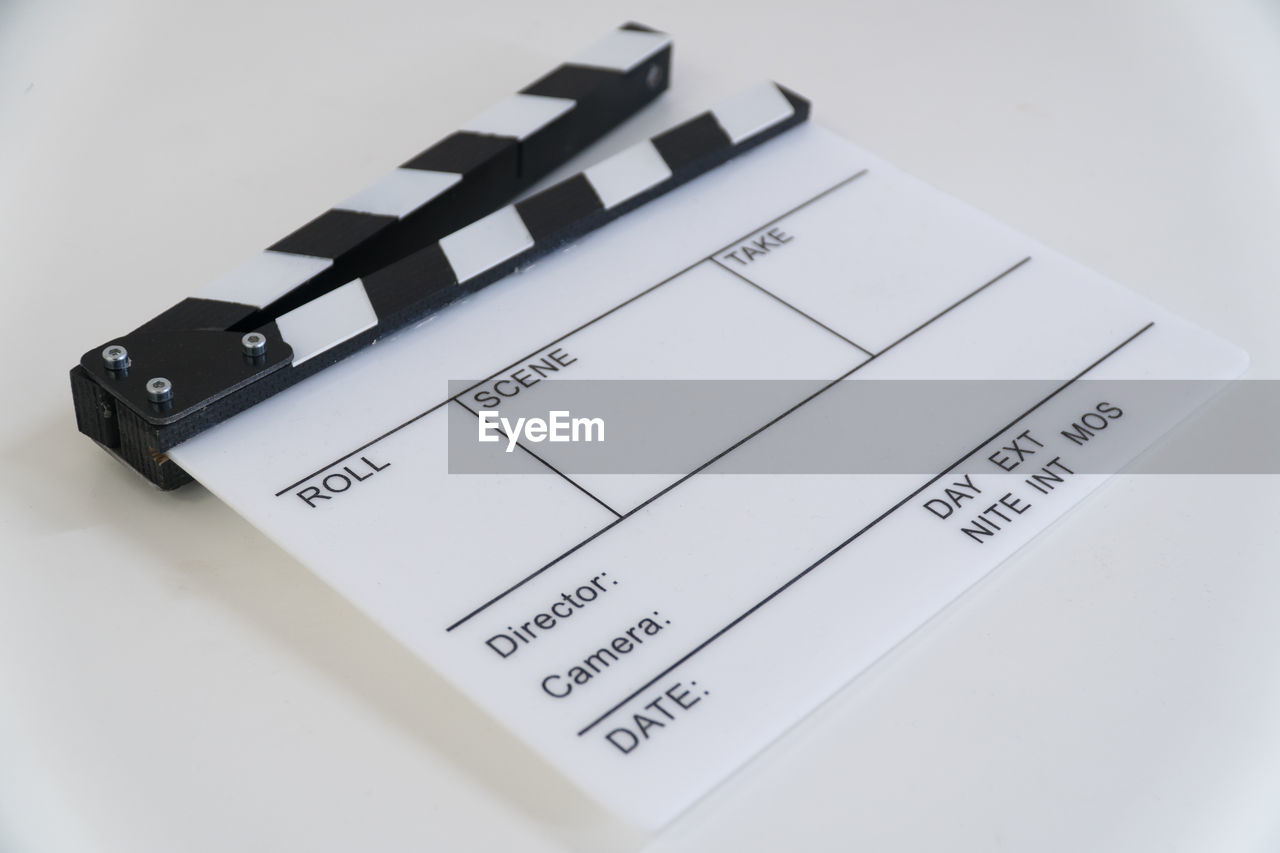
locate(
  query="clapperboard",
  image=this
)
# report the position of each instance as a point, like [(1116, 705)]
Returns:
[(647, 630)]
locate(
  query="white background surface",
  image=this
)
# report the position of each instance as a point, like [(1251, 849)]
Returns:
[(169, 680)]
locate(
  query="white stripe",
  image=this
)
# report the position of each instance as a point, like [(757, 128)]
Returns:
[(486, 243), (628, 173), (401, 192), (622, 50), (265, 278), (327, 321), (752, 111), (519, 115)]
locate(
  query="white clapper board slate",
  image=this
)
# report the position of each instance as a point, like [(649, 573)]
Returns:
[(770, 591)]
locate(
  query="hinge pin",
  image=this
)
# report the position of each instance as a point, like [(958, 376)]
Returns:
[(115, 357), (254, 344), (159, 390)]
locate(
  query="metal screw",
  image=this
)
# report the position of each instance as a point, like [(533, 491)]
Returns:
[(159, 390), (254, 344), (115, 357)]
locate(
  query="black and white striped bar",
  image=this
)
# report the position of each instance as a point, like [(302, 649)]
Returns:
[(497, 155), (344, 319), (493, 158), (495, 245)]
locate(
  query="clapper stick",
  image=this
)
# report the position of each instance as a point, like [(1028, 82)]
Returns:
[(380, 261)]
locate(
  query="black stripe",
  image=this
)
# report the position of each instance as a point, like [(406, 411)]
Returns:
[(576, 82), (602, 99), (196, 313), (692, 141), (639, 28), (464, 152), (798, 103), (333, 233), (403, 286), (559, 207)]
